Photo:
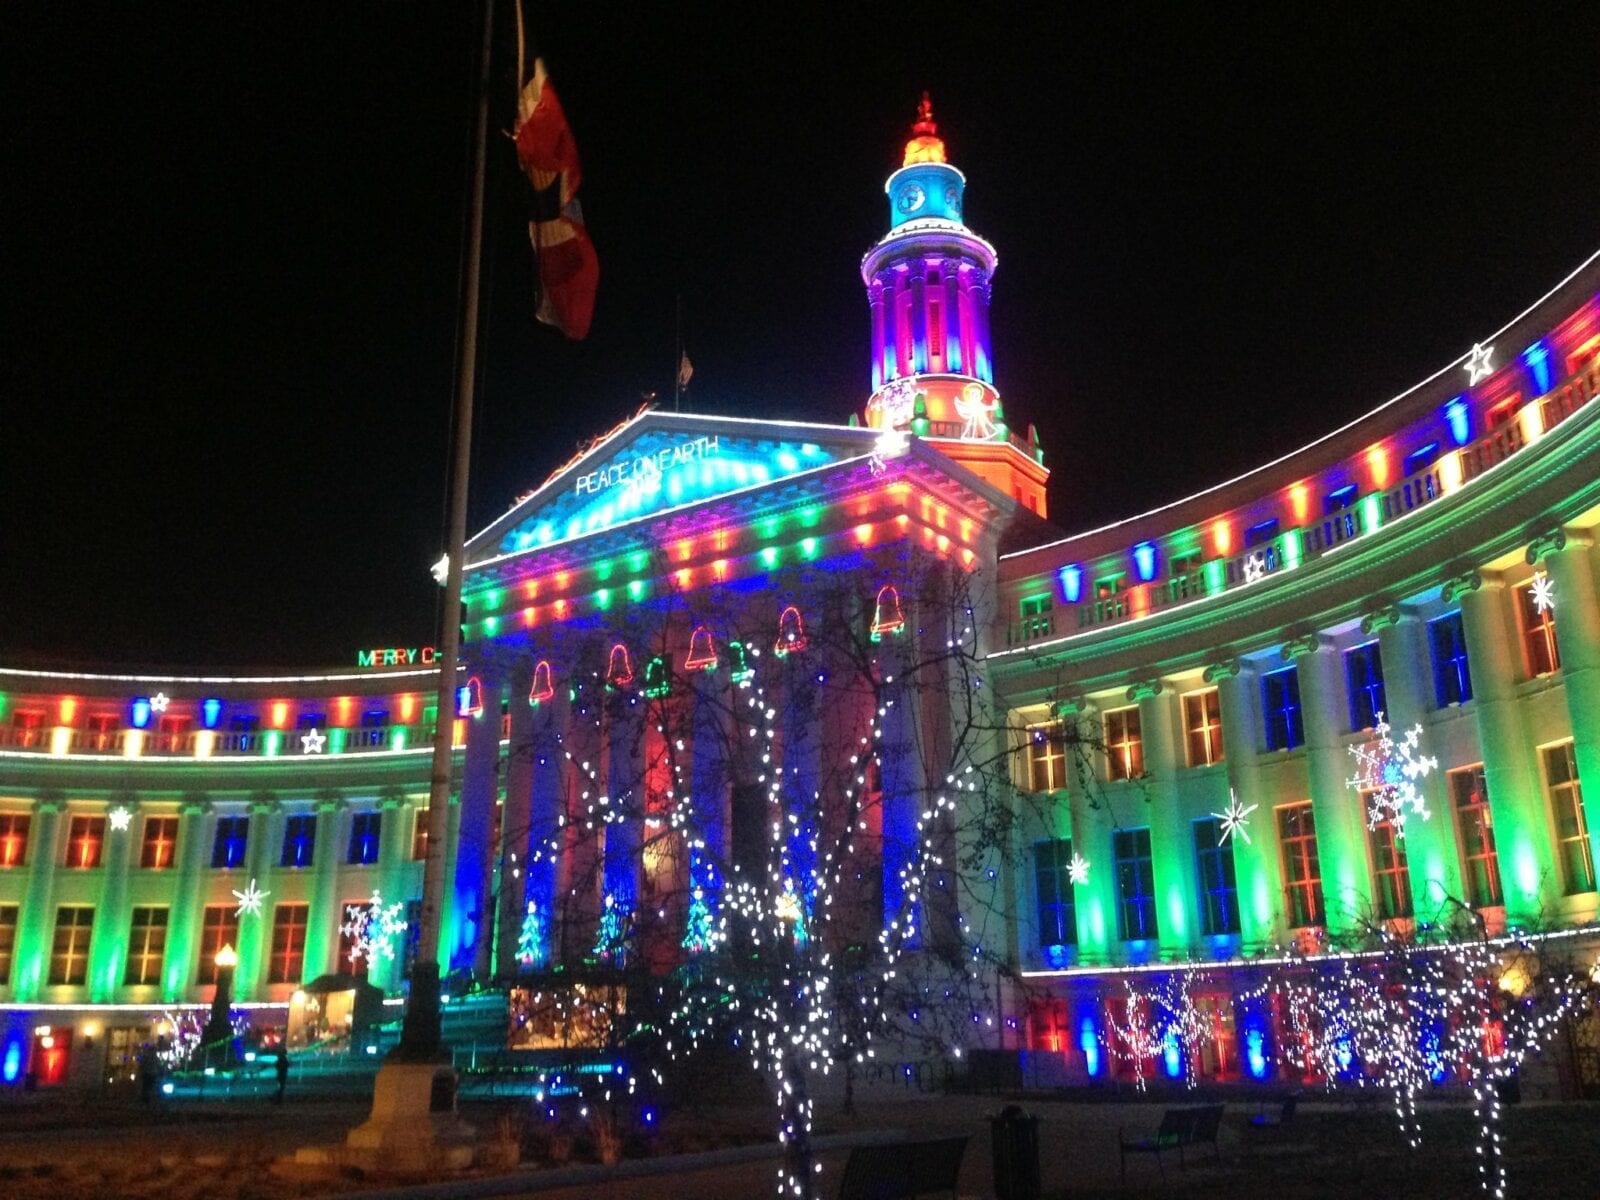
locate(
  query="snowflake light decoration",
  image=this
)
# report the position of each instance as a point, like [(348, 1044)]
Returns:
[(1235, 817), (897, 401), (1388, 771), (441, 570), (1078, 869), (119, 818), (1543, 591), (1255, 567), (159, 702), (250, 900), (372, 928), (312, 742), (1478, 365)]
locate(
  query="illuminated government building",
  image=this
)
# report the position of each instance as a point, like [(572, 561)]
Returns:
[(1431, 562)]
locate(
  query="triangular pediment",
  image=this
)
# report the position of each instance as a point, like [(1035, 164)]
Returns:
[(658, 462)]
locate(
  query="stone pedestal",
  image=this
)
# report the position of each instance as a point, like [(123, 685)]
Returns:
[(413, 1130)]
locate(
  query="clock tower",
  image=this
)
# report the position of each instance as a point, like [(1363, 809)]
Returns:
[(928, 288)]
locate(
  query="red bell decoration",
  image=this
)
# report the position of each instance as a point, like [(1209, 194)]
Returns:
[(702, 654), (791, 632), (469, 699), (544, 686), (619, 670), (886, 616)]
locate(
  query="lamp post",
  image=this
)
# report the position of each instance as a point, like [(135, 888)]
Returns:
[(219, 1029)]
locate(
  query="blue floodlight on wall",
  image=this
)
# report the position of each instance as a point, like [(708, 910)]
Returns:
[(1255, 1051), (210, 712), (1537, 356), (1460, 418), (1071, 577), (1171, 1056), (11, 1065), (141, 713), (1144, 560), (1089, 1043)]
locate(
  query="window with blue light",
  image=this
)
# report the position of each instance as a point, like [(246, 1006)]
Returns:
[(1260, 533), (363, 848), (1363, 676), (227, 849), (1219, 893), (1136, 885), (299, 840), (1452, 679), (1280, 709), (1058, 920), (1339, 499), (1417, 460)]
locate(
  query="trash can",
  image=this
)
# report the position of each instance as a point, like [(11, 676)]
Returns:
[(1016, 1154)]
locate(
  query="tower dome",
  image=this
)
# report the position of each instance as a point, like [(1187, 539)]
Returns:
[(928, 283)]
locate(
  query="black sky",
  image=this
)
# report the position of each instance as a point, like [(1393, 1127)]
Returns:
[(229, 243)]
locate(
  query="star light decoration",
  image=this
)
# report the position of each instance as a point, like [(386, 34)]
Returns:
[(372, 928), (120, 818), (1078, 869), (312, 742), (1255, 567), (1388, 771), (159, 702), (1235, 817), (1543, 591), (250, 900), (1478, 365)]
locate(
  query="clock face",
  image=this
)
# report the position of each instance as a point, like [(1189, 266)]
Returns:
[(912, 198), (952, 200)]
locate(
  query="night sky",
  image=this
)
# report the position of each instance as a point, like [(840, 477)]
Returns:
[(229, 246)]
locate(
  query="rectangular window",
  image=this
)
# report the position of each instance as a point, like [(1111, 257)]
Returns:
[(1124, 744), (1036, 618), (419, 834), (1302, 876), (1035, 606), (227, 850), (147, 946), (1202, 727), (1136, 885), (158, 847), (1047, 757), (1219, 893), (1572, 831), (288, 960), (86, 840), (1363, 676), (1452, 681), (1391, 881), (13, 839), (172, 735), (1280, 709), (1417, 460), (8, 941), (299, 839), (1261, 533), (363, 848), (218, 928), (1052, 873), (69, 953), (1538, 631), (1480, 864)]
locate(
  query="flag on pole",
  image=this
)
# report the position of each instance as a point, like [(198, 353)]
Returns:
[(685, 371), (569, 269)]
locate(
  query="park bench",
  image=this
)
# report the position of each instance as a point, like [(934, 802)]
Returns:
[(1180, 1128), (903, 1170), (1265, 1120)]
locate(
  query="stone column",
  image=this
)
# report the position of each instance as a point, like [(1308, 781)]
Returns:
[(875, 303), (919, 317), (109, 940), (546, 838), (954, 362), (624, 785), (1569, 559), (38, 917), (515, 822), (1171, 837), (978, 299), (1257, 869), (904, 784), (255, 930), (802, 738), (394, 843), (1341, 824), (327, 905), (1432, 858), (1095, 899), (1528, 872), (474, 870), (183, 923)]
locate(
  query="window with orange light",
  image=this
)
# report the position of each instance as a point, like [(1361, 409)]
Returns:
[(1202, 727), (1538, 625), (419, 835), (147, 946), (1391, 879), (13, 839), (288, 956), (86, 837), (1047, 1025), (8, 941), (159, 846), (172, 735), (1503, 413), (1124, 744), (219, 927), (100, 730), (69, 951)]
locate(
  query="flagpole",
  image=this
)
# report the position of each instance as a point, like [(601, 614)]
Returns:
[(420, 1034), (677, 363)]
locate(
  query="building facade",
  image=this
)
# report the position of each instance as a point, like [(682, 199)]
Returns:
[(1183, 689)]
